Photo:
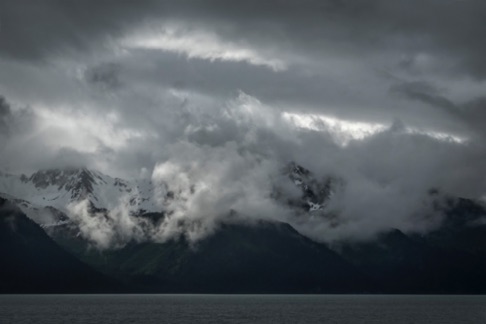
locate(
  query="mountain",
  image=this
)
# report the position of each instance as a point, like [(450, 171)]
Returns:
[(449, 259), (315, 193), (71, 199), (265, 257), (58, 188), (257, 257), (31, 262), (403, 264), (463, 228)]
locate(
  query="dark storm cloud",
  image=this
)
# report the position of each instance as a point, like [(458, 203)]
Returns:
[(5, 115), (472, 113), (334, 50), (476, 111), (451, 31), (425, 92), (38, 29), (4, 107)]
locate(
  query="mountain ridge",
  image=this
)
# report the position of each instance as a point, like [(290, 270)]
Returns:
[(33, 263), (60, 187), (258, 256)]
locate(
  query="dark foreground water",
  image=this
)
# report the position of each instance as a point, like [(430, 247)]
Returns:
[(274, 309)]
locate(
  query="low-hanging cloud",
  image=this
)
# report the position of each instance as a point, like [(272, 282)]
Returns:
[(232, 170)]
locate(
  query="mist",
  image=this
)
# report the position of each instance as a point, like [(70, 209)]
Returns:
[(228, 167)]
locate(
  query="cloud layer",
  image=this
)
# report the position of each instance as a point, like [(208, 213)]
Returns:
[(222, 95)]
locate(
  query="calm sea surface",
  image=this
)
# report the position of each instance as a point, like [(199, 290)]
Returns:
[(274, 309)]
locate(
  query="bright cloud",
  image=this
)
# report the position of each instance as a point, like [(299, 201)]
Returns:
[(202, 45), (84, 131), (344, 131)]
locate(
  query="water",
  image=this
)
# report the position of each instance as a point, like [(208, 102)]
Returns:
[(274, 309)]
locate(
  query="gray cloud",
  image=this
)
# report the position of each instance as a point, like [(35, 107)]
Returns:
[(342, 41), (210, 97), (450, 30), (384, 181), (5, 115), (425, 92), (104, 76), (471, 113), (36, 30)]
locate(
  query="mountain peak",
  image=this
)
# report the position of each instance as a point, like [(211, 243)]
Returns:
[(59, 188), (297, 170), (78, 181), (315, 192)]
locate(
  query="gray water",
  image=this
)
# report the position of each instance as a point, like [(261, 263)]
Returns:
[(274, 309)]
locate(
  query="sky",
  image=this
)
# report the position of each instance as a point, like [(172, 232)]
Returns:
[(387, 95)]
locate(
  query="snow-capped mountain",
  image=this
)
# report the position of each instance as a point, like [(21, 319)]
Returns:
[(48, 196), (59, 188)]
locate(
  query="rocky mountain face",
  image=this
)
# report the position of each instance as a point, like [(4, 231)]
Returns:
[(315, 193), (78, 182), (60, 188), (51, 197)]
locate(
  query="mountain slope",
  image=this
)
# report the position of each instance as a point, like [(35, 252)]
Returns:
[(265, 257), (31, 262), (449, 259), (238, 258), (405, 265), (464, 228)]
